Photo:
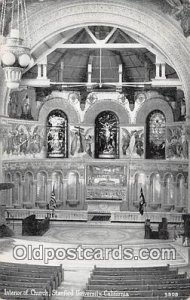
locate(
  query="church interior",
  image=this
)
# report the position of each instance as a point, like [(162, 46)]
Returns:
[(94, 148)]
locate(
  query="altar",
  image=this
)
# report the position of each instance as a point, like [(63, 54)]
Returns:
[(106, 188)]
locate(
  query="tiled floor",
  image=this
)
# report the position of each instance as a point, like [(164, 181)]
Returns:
[(59, 240)]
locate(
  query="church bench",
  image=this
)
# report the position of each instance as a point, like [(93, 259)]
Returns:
[(138, 287), (32, 273), (33, 268), (121, 277), (28, 280), (134, 278), (131, 273), (158, 268)]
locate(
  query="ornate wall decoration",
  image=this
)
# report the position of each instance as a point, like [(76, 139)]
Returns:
[(132, 142), (106, 176), (180, 9), (81, 141), (24, 141), (22, 104), (57, 125), (176, 142), (105, 194), (107, 135)]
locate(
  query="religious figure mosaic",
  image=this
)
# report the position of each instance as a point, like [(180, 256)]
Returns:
[(24, 141), (106, 135), (132, 142), (57, 134), (176, 143), (82, 141)]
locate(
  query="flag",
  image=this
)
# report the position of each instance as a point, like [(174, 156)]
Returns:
[(142, 202), (52, 203)]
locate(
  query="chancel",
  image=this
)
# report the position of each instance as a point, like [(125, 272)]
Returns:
[(95, 115)]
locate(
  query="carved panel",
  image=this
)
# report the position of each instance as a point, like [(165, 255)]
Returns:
[(106, 176)]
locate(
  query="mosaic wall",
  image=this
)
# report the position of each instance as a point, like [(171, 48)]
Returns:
[(176, 142), (24, 141), (132, 142)]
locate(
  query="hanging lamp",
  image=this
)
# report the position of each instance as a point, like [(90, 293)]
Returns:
[(14, 50)]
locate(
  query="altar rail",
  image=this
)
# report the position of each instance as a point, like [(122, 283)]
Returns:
[(65, 215), (153, 216)]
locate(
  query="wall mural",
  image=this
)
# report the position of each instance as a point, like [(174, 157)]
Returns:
[(22, 104), (132, 142), (81, 141), (24, 141), (176, 143)]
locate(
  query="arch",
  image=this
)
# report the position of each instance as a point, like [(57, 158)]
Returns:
[(57, 185), (181, 190), (60, 104), (139, 182), (92, 113), (169, 188), (57, 134), (155, 188), (129, 15), (154, 104), (107, 135), (28, 192), (17, 190), (41, 188), (72, 187), (9, 193)]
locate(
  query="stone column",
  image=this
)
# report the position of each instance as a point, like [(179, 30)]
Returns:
[(3, 133), (188, 138)]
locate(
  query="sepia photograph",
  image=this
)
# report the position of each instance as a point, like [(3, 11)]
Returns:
[(94, 149)]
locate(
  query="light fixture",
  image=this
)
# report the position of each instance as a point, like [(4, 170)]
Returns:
[(14, 51)]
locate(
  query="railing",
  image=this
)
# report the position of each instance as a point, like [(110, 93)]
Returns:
[(153, 216), (66, 215)]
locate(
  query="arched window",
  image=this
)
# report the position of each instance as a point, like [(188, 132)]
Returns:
[(57, 186), (41, 187), (72, 187), (156, 133), (28, 189), (107, 135), (155, 187), (9, 191), (140, 182), (17, 189), (57, 132), (169, 189), (181, 191)]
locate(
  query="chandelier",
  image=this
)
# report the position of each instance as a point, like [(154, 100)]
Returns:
[(14, 46)]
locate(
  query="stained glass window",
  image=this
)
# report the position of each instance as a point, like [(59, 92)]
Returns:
[(106, 135), (156, 134), (57, 134)]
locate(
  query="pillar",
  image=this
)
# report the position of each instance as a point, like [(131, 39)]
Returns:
[(188, 138)]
